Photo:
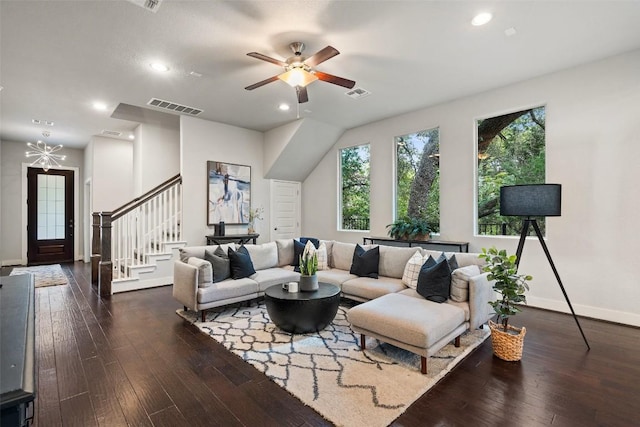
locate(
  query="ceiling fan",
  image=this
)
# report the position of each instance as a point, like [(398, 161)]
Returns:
[(299, 71)]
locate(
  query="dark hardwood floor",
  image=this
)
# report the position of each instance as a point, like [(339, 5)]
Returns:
[(130, 360)]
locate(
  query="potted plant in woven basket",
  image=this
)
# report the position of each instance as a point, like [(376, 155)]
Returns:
[(507, 340)]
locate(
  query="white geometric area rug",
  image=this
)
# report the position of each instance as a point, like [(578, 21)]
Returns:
[(45, 275), (327, 370)]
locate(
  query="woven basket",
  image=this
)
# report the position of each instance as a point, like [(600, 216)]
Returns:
[(505, 345)]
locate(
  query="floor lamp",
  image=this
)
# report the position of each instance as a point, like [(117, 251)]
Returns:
[(530, 201)]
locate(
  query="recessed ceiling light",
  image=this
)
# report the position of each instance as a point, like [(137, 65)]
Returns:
[(158, 66), (481, 19), (195, 74), (100, 106), (284, 107), (509, 32), (131, 136)]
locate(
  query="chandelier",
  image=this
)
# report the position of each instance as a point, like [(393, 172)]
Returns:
[(45, 154)]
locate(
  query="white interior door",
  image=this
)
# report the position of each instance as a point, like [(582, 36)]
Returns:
[(285, 209)]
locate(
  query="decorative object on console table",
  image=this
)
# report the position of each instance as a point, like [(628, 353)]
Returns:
[(308, 270), (506, 339), (218, 229), (410, 228), (529, 201), (459, 246), (228, 193), (240, 239), (254, 215)]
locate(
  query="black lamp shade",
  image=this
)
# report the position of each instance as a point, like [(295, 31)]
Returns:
[(531, 200)]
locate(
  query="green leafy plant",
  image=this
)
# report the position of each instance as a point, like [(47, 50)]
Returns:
[(503, 269), (308, 264), (409, 228)]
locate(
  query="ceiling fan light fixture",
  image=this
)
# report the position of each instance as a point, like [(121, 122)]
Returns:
[(297, 77)]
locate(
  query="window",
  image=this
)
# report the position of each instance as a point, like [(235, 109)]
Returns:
[(354, 188), (418, 177), (511, 150)]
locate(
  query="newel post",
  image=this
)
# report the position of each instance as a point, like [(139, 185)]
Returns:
[(95, 248), (106, 266)]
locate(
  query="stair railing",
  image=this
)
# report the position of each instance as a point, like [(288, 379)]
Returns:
[(127, 236)]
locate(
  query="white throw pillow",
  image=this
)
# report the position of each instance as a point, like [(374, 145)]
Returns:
[(323, 258), (460, 282), (412, 269)]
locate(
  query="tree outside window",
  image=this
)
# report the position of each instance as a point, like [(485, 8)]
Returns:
[(355, 183), (511, 150), (418, 177)]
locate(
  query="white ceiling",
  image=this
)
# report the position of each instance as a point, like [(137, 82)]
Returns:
[(57, 57)]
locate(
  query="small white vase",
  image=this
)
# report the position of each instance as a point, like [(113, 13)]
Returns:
[(308, 283)]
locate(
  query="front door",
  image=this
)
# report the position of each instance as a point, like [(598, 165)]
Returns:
[(50, 216)]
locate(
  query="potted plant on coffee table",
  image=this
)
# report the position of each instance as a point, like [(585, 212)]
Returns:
[(308, 270), (506, 339)]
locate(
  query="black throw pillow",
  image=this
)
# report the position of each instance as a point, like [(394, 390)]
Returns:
[(453, 262), (241, 264), (220, 264), (434, 280), (298, 249), (365, 263), (316, 242)]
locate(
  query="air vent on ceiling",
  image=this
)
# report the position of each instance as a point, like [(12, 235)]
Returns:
[(111, 133), (357, 93), (150, 5), (42, 122), (172, 106)]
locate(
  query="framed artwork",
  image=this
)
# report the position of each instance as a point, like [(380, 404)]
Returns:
[(228, 193)]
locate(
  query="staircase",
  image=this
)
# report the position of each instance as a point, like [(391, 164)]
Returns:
[(134, 246)]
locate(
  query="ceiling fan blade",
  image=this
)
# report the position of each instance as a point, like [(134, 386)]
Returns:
[(262, 83), (267, 58), (335, 79), (302, 94), (321, 56)]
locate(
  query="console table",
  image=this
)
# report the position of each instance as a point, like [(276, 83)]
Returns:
[(17, 350), (240, 239), (459, 246)]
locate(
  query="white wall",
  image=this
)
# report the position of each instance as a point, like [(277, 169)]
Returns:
[(13, 234), (156, 155), (201, 141), (593, 150), (112, 172)]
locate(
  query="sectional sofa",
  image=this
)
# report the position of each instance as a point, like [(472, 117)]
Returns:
[(391, 311)]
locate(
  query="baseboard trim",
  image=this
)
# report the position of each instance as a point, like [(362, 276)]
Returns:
[(12, 262), (614, 316)]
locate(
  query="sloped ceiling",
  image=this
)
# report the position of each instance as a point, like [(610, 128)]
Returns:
[(292, 151)]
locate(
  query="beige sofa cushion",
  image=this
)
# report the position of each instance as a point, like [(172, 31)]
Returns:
[(342, 255), (460, 282), (198, 251), (335, 276), (415, 321), (274, 276), (205, 272), (227, 289), (393, 260), (462, 258), (264, 255), (329, 245), (285, 252), (464, 306), (369, 288)]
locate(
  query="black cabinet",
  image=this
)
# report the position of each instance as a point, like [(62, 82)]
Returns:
[(17, 350)]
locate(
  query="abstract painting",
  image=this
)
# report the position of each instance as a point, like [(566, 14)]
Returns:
[(228, 193)]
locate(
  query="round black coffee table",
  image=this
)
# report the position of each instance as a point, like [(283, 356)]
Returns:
[(300, 312)]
